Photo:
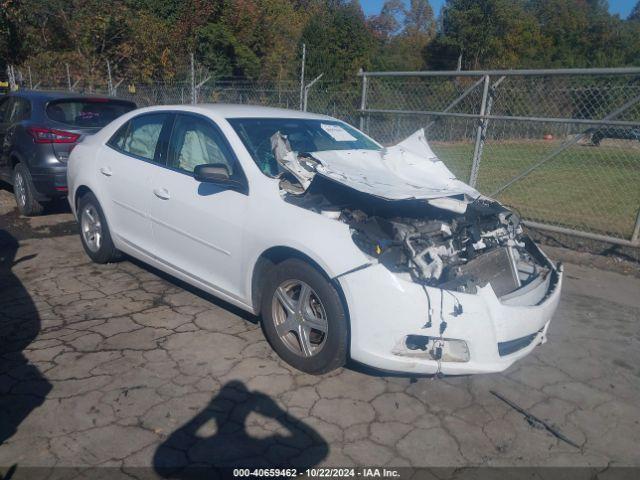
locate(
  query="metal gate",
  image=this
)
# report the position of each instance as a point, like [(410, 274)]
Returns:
[(560, 146)]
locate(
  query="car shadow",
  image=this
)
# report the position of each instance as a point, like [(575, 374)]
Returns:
[(51, 207), (249, 317), (255, 319), (23, 388), (216, 440), (375, 372)]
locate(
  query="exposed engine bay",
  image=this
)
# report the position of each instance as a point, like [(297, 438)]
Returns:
[(457, 241)]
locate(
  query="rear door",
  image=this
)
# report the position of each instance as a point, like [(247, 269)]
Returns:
[(125, 170)]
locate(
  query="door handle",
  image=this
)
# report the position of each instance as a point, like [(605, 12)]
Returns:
[(106, 171), (162, 193)]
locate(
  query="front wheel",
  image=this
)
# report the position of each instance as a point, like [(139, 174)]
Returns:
[(94, 231), (303, 318)]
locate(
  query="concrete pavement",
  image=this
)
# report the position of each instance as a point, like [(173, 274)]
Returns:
[(119, 365)]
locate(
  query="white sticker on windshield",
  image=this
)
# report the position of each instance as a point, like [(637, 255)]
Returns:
[(338, 133)]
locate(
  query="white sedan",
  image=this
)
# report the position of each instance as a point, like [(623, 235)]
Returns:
[(346, 249)]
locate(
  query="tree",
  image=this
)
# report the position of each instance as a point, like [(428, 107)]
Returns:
[(386, 24), (419, 30), (635, 13), (149, 40), (578, 33), (402, 34), (221, 52), (631, 37), (91, 31), (338, 41), (271, 29), (488, 34), (148, 53), (17, 25), (9, 39), (169, 10), (419, 19)]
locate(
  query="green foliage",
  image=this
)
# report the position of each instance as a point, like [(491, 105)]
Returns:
[(169, 10), (488, 33), (635, 13), (532, 34), (338, 41), (402, 34), (223, 55), (150, 40)]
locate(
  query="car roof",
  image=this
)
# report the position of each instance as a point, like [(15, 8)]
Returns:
[(229, 110), (45, 95)]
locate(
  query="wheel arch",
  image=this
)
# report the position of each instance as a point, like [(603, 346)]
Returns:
[(80, 192), (277, 254), (15, 158)]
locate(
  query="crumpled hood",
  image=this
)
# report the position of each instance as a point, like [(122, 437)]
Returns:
[(407, 170), (396, 173)]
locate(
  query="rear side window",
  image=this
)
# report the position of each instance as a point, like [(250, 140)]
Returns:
[(87, 112), (21, 110), (117, 141), (140, 135)]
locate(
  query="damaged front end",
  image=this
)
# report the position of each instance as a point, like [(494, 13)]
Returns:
[(460, 252), (408, 212)]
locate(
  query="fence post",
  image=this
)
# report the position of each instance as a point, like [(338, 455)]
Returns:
[(306, 91), (12, 78), (193, 81), (477, 150), (109, 79), (304, 57), (363, 98), (635, 236), (68, 77)]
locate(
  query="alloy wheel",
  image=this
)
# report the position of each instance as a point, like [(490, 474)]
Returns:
[(20, 190), (300, 318), (91, 228)]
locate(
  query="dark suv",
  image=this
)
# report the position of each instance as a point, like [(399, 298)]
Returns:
[(38, 130), (621, 133)]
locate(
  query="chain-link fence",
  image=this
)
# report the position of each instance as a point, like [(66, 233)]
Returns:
[(562, 147)]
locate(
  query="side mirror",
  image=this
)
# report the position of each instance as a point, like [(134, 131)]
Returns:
[(218, 174), (212, 173)]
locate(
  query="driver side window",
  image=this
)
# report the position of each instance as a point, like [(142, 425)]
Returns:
[(196, 141)]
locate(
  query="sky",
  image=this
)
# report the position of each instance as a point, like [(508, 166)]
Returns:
[(372, 7)]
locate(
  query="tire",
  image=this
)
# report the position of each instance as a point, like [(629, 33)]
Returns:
[(326, 350), (596, 138), (25, 192), (94, 231)]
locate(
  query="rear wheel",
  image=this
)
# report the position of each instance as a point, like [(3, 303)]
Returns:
[(94, 231), (25, 192), (303, 318)]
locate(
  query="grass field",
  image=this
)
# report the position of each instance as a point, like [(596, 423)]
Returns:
[(595, 189)]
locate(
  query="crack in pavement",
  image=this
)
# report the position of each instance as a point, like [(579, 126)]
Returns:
[(123, 361)]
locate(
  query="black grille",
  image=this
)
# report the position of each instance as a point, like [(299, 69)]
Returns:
[(512, 346)]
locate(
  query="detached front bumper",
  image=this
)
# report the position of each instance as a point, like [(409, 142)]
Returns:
[(483, 333)]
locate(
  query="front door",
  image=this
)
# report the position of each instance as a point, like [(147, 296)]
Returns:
[(198, 227), (125, 169)]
